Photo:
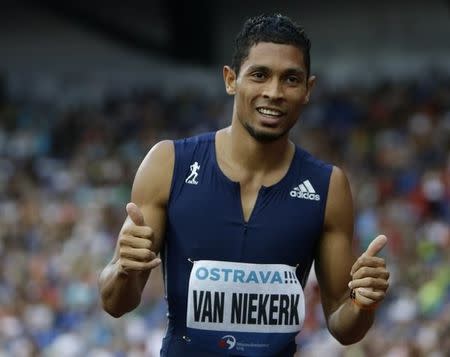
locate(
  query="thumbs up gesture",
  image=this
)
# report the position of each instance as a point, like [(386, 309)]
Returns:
[(370, 276), (135, 242)]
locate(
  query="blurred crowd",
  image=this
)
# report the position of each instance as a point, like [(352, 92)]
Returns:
[(66, 171)]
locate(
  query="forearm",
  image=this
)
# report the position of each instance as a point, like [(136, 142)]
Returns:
[(349, 323), (120, 291)]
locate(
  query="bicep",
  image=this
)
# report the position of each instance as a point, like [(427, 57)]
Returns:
[(150, 192), (334, 257), (151, 189)]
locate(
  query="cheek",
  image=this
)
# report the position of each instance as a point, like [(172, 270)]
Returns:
[(243, 100), (247, 91), (298, 109), (298, 100)]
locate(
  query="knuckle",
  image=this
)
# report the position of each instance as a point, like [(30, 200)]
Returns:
[(364, 271), (128, 228), (147, 255), (144, 244), (123, 240), (359, 274), (123, 251), (148, 231), (142, 231), (124, 263), (382, 283), (378, 295), (356, 267)]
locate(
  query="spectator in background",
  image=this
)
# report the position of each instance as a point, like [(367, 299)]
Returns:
[(65, 234), (187, 198)]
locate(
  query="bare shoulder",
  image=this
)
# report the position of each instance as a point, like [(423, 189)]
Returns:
[(339, 208), (338, 181), (154, 176)]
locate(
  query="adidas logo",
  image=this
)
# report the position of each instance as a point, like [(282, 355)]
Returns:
[(306, 191)]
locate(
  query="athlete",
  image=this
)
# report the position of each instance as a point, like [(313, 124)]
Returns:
[(240, 215)]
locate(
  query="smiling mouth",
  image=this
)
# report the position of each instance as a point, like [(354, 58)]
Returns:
[(270, 112)]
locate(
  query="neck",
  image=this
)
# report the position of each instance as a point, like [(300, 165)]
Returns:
[(251, 154)]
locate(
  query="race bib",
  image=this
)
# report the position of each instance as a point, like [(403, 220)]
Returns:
[(244, 309)]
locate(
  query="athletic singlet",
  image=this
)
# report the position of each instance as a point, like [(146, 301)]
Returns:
[(224, 276)]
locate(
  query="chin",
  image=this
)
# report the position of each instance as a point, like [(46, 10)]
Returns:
[(265, 135)]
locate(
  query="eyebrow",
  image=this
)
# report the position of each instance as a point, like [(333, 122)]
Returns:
[(254, 68), (297, 71), (288, 71)]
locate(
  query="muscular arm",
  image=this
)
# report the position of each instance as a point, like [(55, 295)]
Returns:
[(346, 322), (121, 288)]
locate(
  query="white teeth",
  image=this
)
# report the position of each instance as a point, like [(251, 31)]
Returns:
[(267, 111)]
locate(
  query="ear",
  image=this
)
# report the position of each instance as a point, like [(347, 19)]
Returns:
[(309, 87), (229, 77)]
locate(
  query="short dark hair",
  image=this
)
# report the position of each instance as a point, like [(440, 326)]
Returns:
[(274, 28)]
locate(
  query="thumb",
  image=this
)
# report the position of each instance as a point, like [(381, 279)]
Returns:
[(135, 214), (376, 245)]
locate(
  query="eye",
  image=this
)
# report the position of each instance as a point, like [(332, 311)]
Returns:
[(293, 80), (258, 76)]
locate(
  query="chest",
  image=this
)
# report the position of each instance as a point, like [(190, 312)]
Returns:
[(251, 187), (248, 195), (226, 221)]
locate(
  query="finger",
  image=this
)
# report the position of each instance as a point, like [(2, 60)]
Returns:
[(376, 245), (137, 254), (128, 265), (154, 263), (135, 214), (367, 272), (137, 231), (373, 283), (366, 261), (374, 295), (135, 242), (363, 300)]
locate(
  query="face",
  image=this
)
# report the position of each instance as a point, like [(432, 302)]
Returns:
[(270, 90)]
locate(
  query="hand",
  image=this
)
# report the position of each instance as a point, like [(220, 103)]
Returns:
[(135, 243), (369, 275)]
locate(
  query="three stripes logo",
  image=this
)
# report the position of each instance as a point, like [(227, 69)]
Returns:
[(305, 191)]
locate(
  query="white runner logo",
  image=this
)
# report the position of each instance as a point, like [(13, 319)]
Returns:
[(192, 178)]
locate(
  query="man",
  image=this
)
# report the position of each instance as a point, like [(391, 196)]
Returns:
[(240, 215)]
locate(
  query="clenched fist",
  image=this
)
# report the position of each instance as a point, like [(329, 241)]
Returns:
[(135, 243), (370, 276)]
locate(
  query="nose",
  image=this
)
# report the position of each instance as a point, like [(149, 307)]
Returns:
[(273, 89)]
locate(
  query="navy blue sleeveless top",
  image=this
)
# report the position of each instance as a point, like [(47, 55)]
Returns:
[(205, 222)]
